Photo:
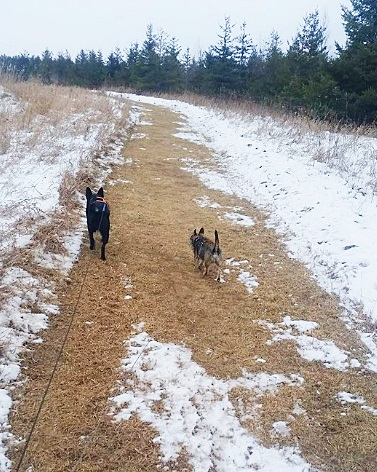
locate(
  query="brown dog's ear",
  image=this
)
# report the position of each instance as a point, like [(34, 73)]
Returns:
[(216, 236), (201, 231), (88, 193), (100, 192)]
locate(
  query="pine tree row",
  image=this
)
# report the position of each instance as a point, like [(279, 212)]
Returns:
[(304, 78)]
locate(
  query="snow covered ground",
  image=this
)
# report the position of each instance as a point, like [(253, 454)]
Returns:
[(317, 187)]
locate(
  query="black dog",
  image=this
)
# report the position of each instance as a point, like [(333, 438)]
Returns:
[(98, 218)]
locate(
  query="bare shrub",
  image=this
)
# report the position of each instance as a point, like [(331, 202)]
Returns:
[(67, 190), (49, 238)]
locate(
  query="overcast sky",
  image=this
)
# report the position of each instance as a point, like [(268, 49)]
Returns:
[(71, 25)]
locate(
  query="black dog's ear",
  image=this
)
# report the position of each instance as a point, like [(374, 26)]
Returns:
[(201, 231), (88, 193), (100, 193), (194, 233)]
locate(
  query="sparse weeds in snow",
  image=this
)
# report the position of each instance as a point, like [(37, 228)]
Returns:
[(67, 190), (49, 119), (302, 135), (4, 345)]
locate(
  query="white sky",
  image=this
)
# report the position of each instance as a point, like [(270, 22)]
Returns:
[(71, 25)]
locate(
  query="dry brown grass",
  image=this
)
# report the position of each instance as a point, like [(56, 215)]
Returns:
[(151, 223), (62, 109)]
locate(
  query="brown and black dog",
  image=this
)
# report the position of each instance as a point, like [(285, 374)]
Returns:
[(206, 252)]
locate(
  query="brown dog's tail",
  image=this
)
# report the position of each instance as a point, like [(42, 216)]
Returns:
[(216, 249)]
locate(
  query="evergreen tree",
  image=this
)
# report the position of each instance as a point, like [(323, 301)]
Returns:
[(308, 52), (272, 73), (187, 64), (45, 68), (149, 62), (311, 40), (197, 75), (81, 61), (355, 70), (132, 76), (220, 62), (63, 68), (244, 47), (307, 67), (360, 22), (224, 49), (96, 71), (113, 64), (256, 76), (172, 79), (161, 43), (90, 69), (22, 67)]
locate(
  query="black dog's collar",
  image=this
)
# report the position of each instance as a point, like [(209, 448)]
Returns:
[(100, 200)]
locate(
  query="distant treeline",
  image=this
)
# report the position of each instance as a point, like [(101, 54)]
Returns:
[(304, 78)]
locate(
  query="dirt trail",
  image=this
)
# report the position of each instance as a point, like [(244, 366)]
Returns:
[(153, 214)]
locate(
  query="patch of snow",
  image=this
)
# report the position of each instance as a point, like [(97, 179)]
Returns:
[(237, 218), (309, 347), (281, 428), (347, 397)]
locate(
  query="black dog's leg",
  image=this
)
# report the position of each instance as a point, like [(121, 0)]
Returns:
[(103, 256), (105, 239), (91, 230), (92, 242)]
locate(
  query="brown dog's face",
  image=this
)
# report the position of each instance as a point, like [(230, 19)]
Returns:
[(196, 235), (195, 240)]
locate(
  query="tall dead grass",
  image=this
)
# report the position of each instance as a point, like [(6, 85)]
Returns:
[(246, 107), (55, 104)]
